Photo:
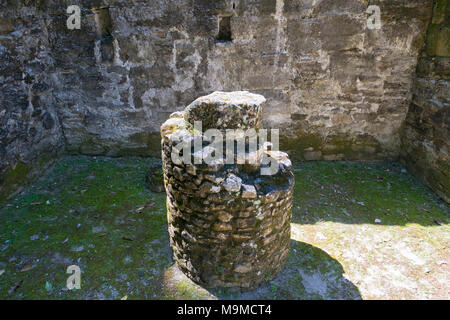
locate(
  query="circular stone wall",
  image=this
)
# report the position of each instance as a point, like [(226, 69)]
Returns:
[(228, 227)]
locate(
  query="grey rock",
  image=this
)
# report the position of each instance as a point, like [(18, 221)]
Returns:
[(248, 191), (232, 183)]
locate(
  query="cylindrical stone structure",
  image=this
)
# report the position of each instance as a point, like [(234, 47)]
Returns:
[(229, 225)]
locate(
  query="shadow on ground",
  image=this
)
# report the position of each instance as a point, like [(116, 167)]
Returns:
[(359, 230), (310, 273)]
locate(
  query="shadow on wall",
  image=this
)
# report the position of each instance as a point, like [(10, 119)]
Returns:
[(310, 273)]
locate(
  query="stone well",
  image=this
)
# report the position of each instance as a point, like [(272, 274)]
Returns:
[(229, 224)]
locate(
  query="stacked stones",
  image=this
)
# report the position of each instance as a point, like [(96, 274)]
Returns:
[(229, 225)]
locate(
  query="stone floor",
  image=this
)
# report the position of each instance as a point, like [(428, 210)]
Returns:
[(359, 231)]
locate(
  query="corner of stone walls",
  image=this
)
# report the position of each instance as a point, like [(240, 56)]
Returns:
[(15, 177), (164, 55), (426, 132)]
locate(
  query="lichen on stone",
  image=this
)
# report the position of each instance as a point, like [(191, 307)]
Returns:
[(217, 208)]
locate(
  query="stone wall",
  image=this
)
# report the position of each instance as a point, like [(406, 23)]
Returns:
[(426, 138), (30, 132), (340, 90), (337, 89)]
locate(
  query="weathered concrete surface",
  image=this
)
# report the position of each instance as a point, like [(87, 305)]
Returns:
[(426, 138), (30, 132)]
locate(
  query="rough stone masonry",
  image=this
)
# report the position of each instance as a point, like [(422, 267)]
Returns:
[(340, 90), (229, 225), (426, 136)]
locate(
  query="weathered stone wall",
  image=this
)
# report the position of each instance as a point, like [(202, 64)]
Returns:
[(30, 133), (338, 89), (426, 138)]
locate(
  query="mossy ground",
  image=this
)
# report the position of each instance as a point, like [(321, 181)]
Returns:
[(359, 230)]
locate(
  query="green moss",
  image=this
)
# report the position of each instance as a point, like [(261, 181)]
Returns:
[(187, 290), (150, 142), (439, 177), (12, 180), (438, 40), (336, 147), (363, 192), (440, 11), (444, 167), (438, 36), (299, 141), (91, 203), (85, 212), (362, 147), (16, 174)]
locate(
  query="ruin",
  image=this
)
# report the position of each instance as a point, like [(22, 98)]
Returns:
[(341, 90), (229, 225), (358, 89)]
